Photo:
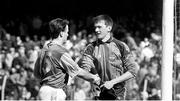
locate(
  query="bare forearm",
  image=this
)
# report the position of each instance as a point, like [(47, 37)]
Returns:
[(86, 75), (126, 76)]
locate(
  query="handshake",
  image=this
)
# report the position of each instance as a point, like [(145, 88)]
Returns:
[(97, 79), (93, 78)]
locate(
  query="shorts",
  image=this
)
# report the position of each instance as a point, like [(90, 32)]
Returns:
[(50, 93)]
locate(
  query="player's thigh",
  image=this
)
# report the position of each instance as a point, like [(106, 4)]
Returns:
[(60, 95), (45, 93)]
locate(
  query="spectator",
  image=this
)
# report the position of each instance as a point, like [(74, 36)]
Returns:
[(7, 42), (19, 79), (32, 84), (153, 83), (21, 61), (33, 55), (28, 44), (10, 57)]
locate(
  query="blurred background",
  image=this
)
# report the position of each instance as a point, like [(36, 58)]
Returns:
[(24, 30)]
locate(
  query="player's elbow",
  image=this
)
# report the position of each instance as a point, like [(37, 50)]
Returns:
[(134, 70)]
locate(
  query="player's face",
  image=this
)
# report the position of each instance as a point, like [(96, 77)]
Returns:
[(65, 33), (101, 29)]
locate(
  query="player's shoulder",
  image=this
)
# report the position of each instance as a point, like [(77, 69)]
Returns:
[(89, 49), (120, 43), (54, 50)]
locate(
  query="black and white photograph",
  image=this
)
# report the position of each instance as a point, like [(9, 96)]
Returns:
[(78, 50)]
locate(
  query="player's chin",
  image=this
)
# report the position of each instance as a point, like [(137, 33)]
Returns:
[(99, 36)]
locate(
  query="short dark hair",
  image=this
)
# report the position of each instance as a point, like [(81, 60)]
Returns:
[(108, 20), (56, 26)]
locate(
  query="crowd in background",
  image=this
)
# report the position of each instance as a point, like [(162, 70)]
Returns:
[(21, 39)]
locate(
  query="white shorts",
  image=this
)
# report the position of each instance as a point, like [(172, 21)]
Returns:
[(51, 94)]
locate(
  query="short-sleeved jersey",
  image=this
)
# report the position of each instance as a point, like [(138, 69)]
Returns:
[(54, 65)]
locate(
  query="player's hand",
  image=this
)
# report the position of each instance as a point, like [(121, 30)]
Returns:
[(97, 79), (108, 85)]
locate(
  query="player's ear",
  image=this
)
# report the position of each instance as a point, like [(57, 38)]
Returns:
[(109, 28), (60, 34)]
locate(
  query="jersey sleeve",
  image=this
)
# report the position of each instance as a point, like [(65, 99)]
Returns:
[(129, 61), (69, 65), (87, 60)]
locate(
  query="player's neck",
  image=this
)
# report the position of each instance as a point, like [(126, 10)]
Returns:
[(106, 38), (58, 41)]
